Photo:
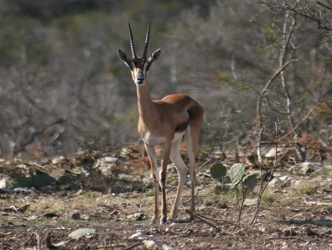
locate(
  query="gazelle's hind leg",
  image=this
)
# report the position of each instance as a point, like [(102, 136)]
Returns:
[(191, 138), (182, 171)]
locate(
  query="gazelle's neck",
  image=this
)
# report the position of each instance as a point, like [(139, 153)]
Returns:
[(146, 107)]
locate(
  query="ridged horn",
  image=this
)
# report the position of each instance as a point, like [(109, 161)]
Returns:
[(132, 42), (147, 41)]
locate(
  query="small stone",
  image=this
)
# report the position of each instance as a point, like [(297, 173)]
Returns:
[(173, 224), (24, 190), (151, 244), (3, 183), (56, 160), (32, 217), (283, 178), (274, 182), (166, 247), (110, 159), (82, 232), (138, 236), (59, 244), (296, 182), (136, 216), (309, 167), (85, 217)]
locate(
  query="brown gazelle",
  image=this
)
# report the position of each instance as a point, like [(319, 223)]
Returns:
[(164, 122)]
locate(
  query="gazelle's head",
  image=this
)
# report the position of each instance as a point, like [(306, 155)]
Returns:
[(139, 66)]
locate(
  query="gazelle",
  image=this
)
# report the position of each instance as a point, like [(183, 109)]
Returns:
[(164, 122)]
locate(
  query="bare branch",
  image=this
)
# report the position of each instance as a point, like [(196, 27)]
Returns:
[(324, 5), (303, 119), (21, 146), (302, 11), (268, 84), (199, 217)]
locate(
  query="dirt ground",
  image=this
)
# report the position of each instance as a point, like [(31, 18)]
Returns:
[(296, 213), (305, 224)]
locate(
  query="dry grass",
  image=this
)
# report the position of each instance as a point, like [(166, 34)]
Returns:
[(306, 187)]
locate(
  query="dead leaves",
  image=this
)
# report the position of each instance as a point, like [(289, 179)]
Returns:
[(16, 209)]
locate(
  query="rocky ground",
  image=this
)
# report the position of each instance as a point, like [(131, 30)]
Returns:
[(105, 202)]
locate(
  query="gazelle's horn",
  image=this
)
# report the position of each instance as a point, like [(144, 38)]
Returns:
[(132, 42), (147, 42)]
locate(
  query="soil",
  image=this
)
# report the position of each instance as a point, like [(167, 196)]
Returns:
[(295, 213)]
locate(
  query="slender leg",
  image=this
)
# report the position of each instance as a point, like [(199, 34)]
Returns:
[(153, 161), (191, 148), (166, 155), (182, 171)]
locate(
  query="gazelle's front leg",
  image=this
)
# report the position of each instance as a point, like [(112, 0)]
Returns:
[(155, 174), (166, 155)]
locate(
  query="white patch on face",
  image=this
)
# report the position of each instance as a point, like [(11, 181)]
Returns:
[(145, 68), (136, 73)]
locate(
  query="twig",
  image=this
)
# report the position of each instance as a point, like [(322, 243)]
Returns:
[(234, 224), (203, 165), (28, 240), (37, 238), (38, 241), (199, 217), (242, 202), (235, 138), (204, 187), (324, 5), (115, 246), (186, 201), (268, 84), (264, 186), (304, 118), (134, 245)]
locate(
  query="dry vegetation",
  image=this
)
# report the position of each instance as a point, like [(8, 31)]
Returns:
[(262, 72), (295, 211)]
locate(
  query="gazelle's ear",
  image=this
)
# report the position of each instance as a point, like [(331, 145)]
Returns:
[(123, 56), (155, 55)]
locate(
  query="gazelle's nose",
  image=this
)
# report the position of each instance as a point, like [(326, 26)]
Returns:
[(140, 78)]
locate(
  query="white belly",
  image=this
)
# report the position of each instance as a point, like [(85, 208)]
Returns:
[(159, 140), (154, 140), (178, 136)]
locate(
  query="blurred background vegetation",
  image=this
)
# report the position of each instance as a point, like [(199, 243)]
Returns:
[(62, 82)]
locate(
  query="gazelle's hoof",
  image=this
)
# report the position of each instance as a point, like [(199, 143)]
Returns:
[(191, 218), (170, 218), (162, 221), (153, 220)]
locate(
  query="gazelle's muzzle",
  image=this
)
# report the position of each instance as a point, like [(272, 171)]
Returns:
[(140, 79)]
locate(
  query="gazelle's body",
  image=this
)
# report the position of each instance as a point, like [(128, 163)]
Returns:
[(165, 122)]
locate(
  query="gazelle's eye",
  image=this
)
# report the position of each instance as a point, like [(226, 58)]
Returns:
[(132, 66)]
